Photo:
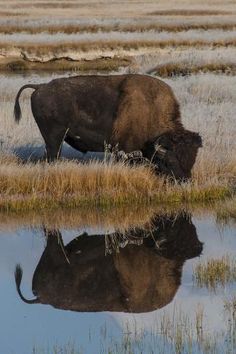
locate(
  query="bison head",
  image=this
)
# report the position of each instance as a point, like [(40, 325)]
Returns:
[(174, 153)]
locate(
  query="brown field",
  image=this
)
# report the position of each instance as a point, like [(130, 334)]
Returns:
[(42, 49)]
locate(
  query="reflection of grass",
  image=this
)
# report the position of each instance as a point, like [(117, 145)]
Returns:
[(120, 218), (70, 184), (214, 272), (230, 314), (171, 333), (227, 211)]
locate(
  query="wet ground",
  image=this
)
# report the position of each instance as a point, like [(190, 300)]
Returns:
[(99, 290)]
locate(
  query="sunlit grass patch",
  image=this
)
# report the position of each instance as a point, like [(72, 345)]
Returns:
[(215, 272), (71, 184)]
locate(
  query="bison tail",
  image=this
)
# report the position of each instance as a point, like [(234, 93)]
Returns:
[(17, 109), (18, 278)]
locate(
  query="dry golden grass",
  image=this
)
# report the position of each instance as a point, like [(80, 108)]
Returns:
[(50, 5), (189, 12), (65, 64), (10, 13), (215, 272), (185, 68), (120, 27), (70, 184), (123, 8)]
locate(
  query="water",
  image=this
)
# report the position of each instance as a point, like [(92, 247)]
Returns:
[(97, 286)]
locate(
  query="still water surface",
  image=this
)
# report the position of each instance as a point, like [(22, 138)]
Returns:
[(91, 286)]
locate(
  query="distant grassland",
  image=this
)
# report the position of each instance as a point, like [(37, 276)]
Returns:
[(184, 68), (86, 46), (142, 26)]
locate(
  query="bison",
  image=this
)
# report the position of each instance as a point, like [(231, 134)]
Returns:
[(143, 275), (133, 112)]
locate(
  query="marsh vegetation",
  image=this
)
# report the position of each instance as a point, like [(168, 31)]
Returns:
[(215, 272)]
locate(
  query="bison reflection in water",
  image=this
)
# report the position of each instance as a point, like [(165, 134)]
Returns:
[(133, 112), (138, 271)]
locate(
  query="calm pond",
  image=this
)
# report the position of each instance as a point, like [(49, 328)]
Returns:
[(97, 289)]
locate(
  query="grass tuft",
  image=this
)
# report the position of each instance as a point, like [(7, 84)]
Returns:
[(215, 272)]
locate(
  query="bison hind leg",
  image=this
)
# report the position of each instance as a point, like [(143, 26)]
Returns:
[(53, 142)]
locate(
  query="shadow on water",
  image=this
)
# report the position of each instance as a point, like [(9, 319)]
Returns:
[(134, 271)]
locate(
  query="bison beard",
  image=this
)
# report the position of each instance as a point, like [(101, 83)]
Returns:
[(135, 112)]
